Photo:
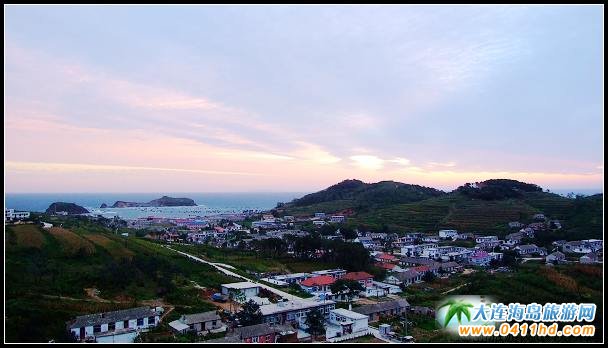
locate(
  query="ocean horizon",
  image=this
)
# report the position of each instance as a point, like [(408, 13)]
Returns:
[(212, 202)]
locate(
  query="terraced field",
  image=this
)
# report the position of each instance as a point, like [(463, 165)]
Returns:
[(420, 216), (111, 246), (28, 236), (72, 243)]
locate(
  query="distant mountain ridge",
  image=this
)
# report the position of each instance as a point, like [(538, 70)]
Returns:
[(483, 207), (380, 193), (164, 201)]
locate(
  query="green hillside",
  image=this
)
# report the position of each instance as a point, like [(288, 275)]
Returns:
[(355, 194), (47, 272), (485, 207)]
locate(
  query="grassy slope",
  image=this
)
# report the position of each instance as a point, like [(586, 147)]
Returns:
[(37, 271), (581, 218)]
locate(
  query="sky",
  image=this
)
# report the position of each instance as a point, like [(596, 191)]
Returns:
[(297, 98)]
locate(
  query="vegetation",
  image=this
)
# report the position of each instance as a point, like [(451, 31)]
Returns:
[(346, 287), (46, 278), (315, 322), (249, 314)]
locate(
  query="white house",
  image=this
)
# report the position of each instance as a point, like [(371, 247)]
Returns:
[(46, 225), (343, 322), (416, 249), (445, 234), (201, 323), (588, 258), (555, 257), (248, 289), (485, 239), (11, 214), (337, 218), (117, 326)]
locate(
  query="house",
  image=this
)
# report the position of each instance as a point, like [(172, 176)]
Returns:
[(431, 239), (465, 236), (318, 284), (387, 258), (515, 224), (388, 308), (450, 267), (416, 249), (362, 277), (337, 218), (46, 225), (12, 214), (289, 312), (367, 242), (528, 249), (448, 234), (578, 247), (406, 278), (343, 322), (319, 215), (513, 239), (485, 239), (388, 288), (259, 333), (318, 223), (594, 244), (416, 261), (294, 278), (118, 326), (433, 268), (537, 226), (480, 258), (558, 243), (201, 323), (336, 273), (389, 266), (248, 289), (539, 217), (556, 257), (589, 258)]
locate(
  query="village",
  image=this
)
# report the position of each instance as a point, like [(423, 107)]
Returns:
[(329, 305)]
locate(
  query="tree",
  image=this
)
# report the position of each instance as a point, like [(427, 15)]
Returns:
[(348, 233), (428, 276), (315, 322), (347, 287), (250, 314)]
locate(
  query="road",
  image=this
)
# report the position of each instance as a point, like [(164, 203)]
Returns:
[(222, 268)]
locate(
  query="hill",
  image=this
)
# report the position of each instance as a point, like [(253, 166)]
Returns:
[(50, 275), (484, 207), (164, 201), (355, 194), (70, 208)]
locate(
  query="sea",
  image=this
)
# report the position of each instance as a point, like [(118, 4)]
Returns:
[(208, 204)]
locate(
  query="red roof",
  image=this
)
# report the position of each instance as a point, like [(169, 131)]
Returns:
[(358, 276), (385, 265), (422, 269), (387, 257), (318, 281)]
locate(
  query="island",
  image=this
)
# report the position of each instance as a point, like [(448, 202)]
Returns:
[(164, 201), (64, 208)]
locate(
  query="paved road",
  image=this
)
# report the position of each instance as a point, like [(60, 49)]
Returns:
[(223, 269)]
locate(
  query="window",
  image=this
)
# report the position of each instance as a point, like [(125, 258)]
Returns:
[(126, 324), (151, 321), (96, 328), (267, 338), (111, 326), (254, 339), (140, 321)]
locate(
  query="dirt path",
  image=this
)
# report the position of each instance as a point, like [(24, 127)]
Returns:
[(456, 288)]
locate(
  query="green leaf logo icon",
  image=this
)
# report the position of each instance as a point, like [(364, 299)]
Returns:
[(456, 308)]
